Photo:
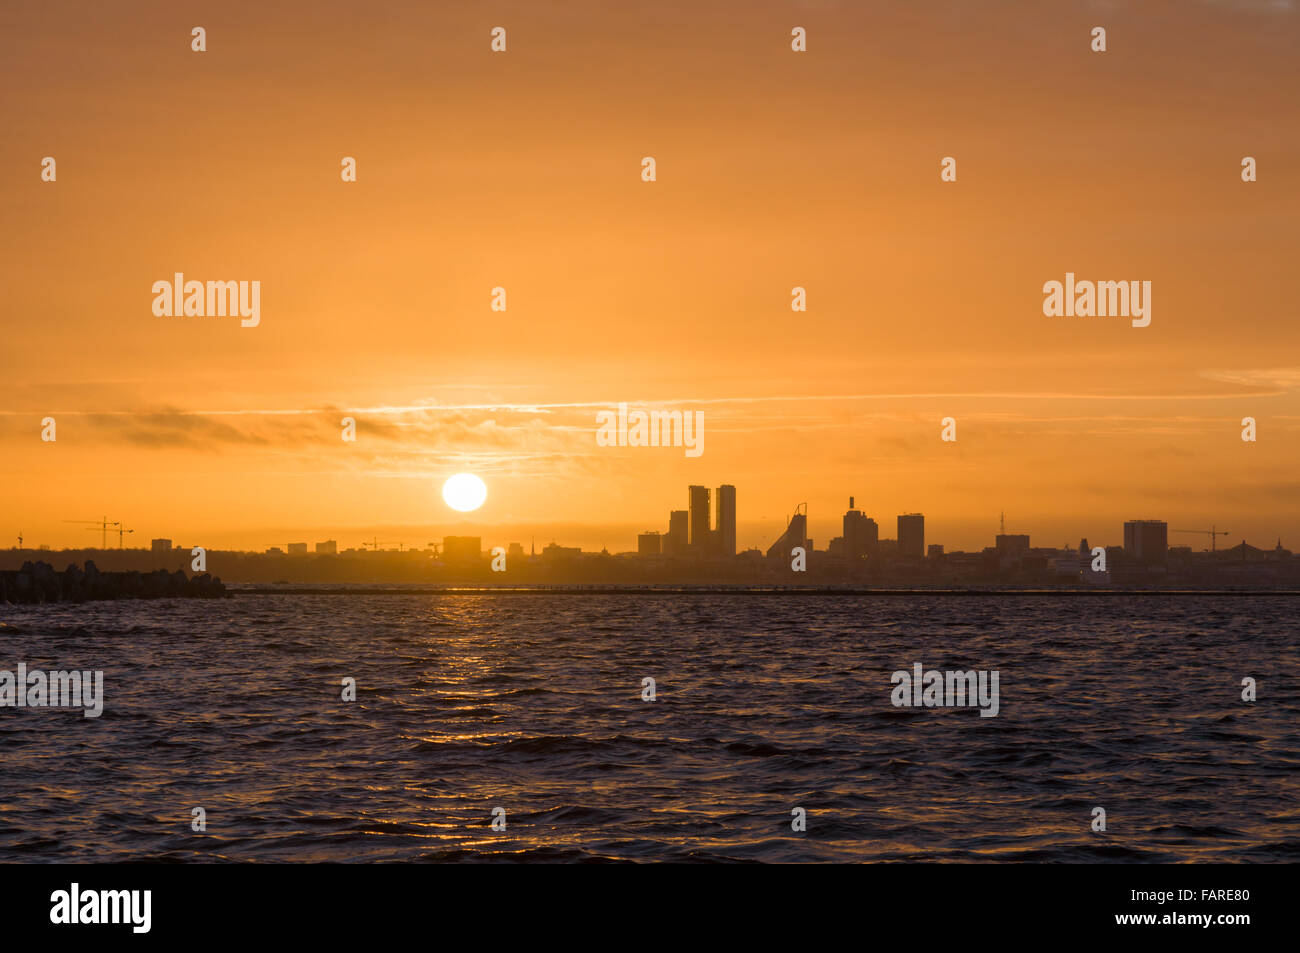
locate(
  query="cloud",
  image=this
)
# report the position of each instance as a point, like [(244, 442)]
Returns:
[(1281, 378), (1269, 6), (425, 433)]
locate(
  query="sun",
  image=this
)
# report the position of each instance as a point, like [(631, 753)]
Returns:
[(464, 492)]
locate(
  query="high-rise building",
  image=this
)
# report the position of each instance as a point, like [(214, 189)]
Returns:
[(725, 521), (872, 536), (676, 541), (911, 535), (796, 534), (861, 534), (699, 510), (163, 546), (1147, 541), (649, 543), (1012, 544), (329, 547), (297, 549), (462, 550)]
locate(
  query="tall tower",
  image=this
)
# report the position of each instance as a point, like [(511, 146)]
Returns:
[(725, 519), (698, 507), (676, 540)]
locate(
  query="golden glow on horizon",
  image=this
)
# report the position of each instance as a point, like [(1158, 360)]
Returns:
[(774, 170)]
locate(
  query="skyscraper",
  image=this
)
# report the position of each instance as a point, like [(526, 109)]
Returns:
[(725, 521), (861, 535), (911, 535), (676, 540), (698, 506)]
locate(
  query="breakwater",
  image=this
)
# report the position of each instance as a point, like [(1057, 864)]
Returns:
[(40, 582)]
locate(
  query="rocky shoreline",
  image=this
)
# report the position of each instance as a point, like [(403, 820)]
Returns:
[(39, 582)]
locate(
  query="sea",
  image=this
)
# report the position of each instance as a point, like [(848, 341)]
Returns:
[(656, 726)]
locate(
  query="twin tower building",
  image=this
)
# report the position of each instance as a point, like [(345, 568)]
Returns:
[(691, 532)]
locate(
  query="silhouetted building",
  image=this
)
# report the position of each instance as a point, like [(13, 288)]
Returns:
[(934, 551), (796, 534), (297, 549), (1012, 544), (678, 538), (1246, 553), (555, 552), (1147, 541), (163, 546), (649, 544), (699, 510), (327, 548), (911, 535), (861, 535), (462, 550), (725, 522)]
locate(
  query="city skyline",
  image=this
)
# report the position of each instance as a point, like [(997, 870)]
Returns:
[(700, 534)]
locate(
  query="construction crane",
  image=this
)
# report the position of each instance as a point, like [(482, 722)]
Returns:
[(120, 533), (103, 525), (434, 546), (1213, 532), (375, 543)]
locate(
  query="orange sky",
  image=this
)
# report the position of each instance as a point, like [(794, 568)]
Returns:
[(522, 170)]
